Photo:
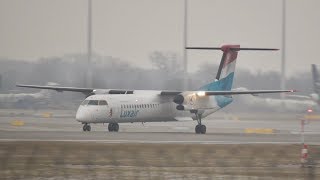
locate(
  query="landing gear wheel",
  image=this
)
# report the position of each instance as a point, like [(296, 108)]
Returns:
[(200, 129), (203, 129), (110, 127), (86, 127), (197, 129), (116, 127), (113, 127)]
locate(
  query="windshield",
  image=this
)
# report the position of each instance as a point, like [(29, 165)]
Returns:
[(93, 102), (85, 102), (103, 103)]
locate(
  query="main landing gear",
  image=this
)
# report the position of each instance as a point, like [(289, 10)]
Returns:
[(86, 127), (113, 127), (200, 128)]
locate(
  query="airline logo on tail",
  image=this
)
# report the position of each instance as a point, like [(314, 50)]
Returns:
[(229, 63)]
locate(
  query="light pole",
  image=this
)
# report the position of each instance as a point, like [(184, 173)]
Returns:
[(89, 47), (283, 54), (185, 58)]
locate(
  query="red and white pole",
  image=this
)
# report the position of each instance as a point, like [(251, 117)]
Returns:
[(304, 154)]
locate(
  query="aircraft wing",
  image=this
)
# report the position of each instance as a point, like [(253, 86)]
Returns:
[(225, 93), (58, 88), (170, 93), (245, 92), (86, 91)]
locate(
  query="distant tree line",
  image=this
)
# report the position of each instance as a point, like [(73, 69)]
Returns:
[(110, 72)]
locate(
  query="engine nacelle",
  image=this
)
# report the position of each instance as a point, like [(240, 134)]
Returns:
[(314, 97), (178, 99)]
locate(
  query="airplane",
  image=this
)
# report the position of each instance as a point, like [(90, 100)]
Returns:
[(293, 103), (116, 106), (25, 100), (316, 84)]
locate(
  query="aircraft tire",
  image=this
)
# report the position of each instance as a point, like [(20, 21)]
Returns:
[(203, 129), (88, 128), (115, 127), (111, 127), (84, 128), (197, 129)]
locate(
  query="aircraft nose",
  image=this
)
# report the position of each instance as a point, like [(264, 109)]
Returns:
[(82, 115)]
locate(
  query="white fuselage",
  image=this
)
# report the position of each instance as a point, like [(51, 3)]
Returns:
[(124, 108)]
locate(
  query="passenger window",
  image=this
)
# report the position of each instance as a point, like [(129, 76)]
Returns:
[(93, 102), (103, 103), (85, 102)]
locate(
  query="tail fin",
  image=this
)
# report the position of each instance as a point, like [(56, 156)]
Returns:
[(225, 74), (224, 77), (316, 78)]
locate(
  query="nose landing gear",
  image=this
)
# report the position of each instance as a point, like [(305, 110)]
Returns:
[(86, 127), (113, 127)]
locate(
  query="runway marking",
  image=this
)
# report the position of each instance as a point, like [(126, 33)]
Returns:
[(47, 115), (17, 123), (152, 142), (259, 130), (312, 117)]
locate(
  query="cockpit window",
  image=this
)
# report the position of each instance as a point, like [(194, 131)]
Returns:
[(103, 103), (85, 102), (93, 102)]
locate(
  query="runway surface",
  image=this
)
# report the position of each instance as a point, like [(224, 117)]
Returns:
[(55, 125)]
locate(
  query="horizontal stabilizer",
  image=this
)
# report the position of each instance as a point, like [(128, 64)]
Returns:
[(233, 49)]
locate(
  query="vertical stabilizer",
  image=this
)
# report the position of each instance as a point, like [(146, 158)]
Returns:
[(225, 74), (224, 77)]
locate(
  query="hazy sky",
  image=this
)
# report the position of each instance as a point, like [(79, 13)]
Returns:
[(132, 29)]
